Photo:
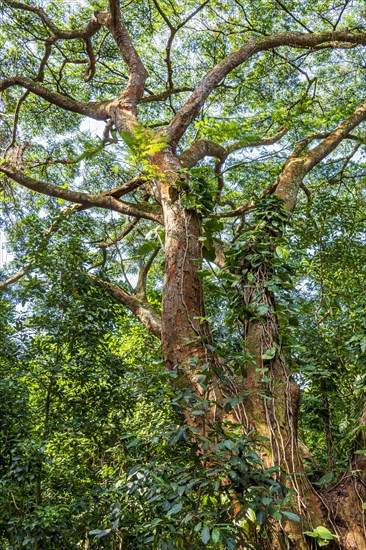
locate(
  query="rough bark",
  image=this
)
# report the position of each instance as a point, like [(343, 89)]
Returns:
[(345, 499), (185, 333)]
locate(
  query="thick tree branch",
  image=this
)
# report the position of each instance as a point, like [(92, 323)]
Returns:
[(87, 32), (14, 278), (205, 148), (140, 308), (162, 96), (342, 131), (95, 110), (296, 167), (201, 149), (107, 199), (191, 108), (124, 108)]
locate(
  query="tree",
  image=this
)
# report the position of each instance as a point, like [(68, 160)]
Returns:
[(216, 118)]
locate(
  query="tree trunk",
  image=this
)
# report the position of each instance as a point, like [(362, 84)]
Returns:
[(271, 407), (185, 332)]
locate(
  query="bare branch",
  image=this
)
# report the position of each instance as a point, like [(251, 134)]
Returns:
[(107, 199), (140, 290), (341, 14), (140, 308), (205, 148), (245, 144), (173, 32), (123, 109), (95, 110), (292, 15), (91, 28), (91, 64), (345, 163), (122, 235), (164, 95), (191, 108), (21, 100)]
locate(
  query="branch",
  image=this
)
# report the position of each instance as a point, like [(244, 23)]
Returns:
[(191, 108), (245, 207), (244, 144), (87, 32), (122, 235), (201, 149), (18, 275), (140, 308), (342, 131), (292, 16), (296, 167), (123, 109), (96, 110), (21, 100), (65, 213), (205, 148), (107, 199), (140, 290), (173, 32), (164, 95)]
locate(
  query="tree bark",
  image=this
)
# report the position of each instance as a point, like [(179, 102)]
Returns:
[(184, 329), (185, 335)]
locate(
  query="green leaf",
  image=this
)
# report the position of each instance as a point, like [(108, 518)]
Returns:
[(215, 535), (282, 252), (324, 533), (134, 470), (290, 515), (99, 533), (205, 535), (209, 253), (261, 517), (312, 534), (327, 478), (251, 515), (363, 345), (175, 509), (147, 247), (269, 354), (262, 309)]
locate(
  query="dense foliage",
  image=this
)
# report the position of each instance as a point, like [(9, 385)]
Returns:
[(95, 447)]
